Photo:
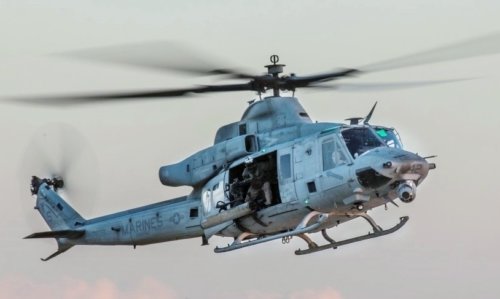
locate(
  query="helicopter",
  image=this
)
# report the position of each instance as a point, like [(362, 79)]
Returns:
[(274, 174)]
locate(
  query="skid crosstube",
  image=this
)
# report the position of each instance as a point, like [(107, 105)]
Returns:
[(402, 221), (266, 239), (302, 228)]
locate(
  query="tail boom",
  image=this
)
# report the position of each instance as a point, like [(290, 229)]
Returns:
[(164, 221)]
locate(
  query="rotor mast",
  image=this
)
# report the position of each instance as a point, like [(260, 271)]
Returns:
[(274, 70)]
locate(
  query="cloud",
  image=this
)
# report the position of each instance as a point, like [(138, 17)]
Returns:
[(22, 287), (327, 293), (261, 295), (19, 287)]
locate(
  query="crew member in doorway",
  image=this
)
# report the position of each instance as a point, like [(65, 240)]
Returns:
[(259, 192), (237, 191)]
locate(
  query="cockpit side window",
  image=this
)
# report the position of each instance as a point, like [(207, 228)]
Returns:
[(389, 136), (360, 140), (328, 148), (332, 153)]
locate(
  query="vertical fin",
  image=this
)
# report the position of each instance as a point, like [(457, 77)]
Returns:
[(58, 214), (60, 217)]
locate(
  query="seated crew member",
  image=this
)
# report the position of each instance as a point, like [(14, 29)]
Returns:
[(259, 191)]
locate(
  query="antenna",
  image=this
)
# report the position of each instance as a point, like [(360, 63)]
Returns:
[(369, 116)]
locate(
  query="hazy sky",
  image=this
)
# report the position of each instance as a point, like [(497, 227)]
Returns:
[(448, 249)]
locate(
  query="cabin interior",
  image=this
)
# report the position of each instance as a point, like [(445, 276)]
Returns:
[(239, 184)]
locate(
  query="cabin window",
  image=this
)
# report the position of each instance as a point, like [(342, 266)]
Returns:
[(243, 129), (328, 148), (333, 155), (250, 144), (285, 166), (311, 186), (193, 213)]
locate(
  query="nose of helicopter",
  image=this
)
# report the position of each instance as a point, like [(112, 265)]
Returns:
[(403, 170), (399, 164)]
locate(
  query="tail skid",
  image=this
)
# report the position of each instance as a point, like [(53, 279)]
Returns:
[(61, 248)]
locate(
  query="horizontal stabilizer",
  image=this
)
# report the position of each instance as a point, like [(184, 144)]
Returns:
[(70, 234)]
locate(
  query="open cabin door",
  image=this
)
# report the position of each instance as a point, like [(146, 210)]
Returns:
[(213, 195), (261, 168)]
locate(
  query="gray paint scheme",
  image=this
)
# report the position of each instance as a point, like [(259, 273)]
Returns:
[(275, 127)]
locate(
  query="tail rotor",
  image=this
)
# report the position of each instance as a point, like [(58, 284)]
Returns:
[(60, 156)]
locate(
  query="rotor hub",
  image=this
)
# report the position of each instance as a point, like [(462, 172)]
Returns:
[(55, 182), (274, 69)]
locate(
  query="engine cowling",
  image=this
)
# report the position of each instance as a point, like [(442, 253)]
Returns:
[(206, 163)]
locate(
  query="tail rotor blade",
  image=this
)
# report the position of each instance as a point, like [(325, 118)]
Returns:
[(60, 150)]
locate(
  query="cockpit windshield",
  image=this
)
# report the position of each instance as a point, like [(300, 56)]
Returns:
[(390, 136), (360, 140)]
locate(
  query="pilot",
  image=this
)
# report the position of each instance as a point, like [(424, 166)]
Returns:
[(338, 158), (259, 191)]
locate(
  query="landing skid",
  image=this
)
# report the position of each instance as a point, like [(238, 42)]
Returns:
[(378, 232), (301, 229)]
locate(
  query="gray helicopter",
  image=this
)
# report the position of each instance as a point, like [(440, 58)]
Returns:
[(274, 174)]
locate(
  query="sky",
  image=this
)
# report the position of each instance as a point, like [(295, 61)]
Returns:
[(448, 249)]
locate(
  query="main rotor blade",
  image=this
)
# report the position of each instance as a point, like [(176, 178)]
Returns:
[(305, 81), (363, 87), (93, 98), (158, 55), (484, 45)]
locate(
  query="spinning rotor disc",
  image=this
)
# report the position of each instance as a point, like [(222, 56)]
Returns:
[(60, 151), (164, 56)]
